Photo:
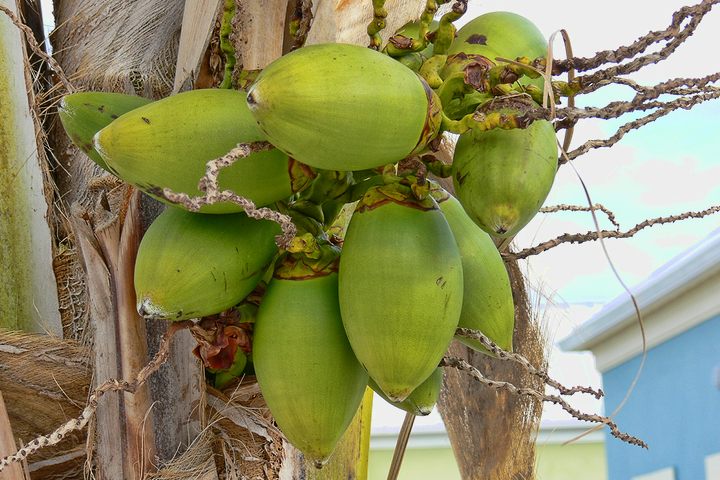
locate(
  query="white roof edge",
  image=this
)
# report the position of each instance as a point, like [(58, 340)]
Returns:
[(550, 433), (430, 429), (675, 277)]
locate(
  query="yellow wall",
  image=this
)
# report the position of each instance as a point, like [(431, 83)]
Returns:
[(555, 462), (419, 464), (584, 461)]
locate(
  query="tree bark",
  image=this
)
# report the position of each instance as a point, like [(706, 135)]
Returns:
[(28, 294), (106, 46), (109, 239), (493, 432)]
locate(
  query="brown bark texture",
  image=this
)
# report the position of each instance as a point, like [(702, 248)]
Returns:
[(127, 47), (45, 382), (493, 432)]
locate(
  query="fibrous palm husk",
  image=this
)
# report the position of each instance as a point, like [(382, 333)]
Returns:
[(493, 432), (45, 382), (127, 46), (239, 439), (132, 46)]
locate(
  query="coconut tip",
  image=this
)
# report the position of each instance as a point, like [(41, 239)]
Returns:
[(253, 98), (147, 309), (397, 395)]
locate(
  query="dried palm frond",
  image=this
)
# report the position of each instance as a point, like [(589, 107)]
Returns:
[(45, 382)]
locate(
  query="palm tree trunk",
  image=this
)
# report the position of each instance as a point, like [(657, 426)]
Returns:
[(28, 298), (492, 432), (106, 46)]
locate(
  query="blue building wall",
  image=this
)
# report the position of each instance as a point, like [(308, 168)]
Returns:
[(675, 407)]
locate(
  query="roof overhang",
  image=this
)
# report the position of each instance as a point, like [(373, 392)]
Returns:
[(676, 297), (435, 436)]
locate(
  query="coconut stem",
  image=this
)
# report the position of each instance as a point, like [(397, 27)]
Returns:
[(445, 33), (377, 24), (430, 70), (400, 45), (426, 19), (480, 121), (400, 446), (474, 74), (453, 86), (225, 43)]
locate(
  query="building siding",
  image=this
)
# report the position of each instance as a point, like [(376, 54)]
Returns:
[(575, 461), (578, 461), (675, 407)]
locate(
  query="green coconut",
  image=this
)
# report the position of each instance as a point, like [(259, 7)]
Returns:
[(487, 301), (344, 107), (166, 144), (84, 114), (307, 372), (422, 400), (501, 34), (401, 288), (502, 177), (191, 265)]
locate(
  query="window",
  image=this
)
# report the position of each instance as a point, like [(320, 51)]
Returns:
[(664, 474), (712, 467)]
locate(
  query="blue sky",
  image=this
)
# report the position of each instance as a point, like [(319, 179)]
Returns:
[(665, 168)]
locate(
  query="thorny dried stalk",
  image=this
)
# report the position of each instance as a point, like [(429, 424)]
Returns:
[(692, 91), (525, 363), (464, 366), (688, 88), (674, 35), (595, 235), (676, 86), (621, 108), (39, 51), (88, 412), (209, 184), (582, 208)]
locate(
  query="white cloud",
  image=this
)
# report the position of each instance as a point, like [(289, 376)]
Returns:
[(669, 183), (577, 273), (676, 241)]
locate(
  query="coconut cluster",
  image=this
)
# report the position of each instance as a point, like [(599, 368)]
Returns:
[(385, 264)]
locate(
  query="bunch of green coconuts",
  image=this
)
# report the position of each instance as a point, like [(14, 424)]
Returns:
[(375, 301)]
